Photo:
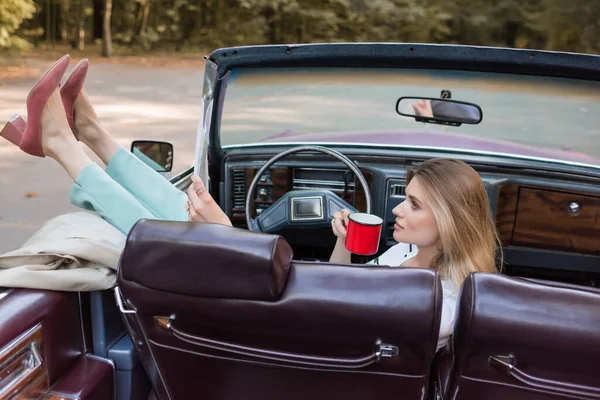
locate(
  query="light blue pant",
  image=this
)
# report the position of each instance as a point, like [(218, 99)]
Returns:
[(128, 191)]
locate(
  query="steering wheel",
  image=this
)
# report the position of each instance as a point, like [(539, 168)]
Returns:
[(302, 208)]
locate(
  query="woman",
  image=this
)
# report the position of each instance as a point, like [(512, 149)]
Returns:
[(127, 190), (444, 223)]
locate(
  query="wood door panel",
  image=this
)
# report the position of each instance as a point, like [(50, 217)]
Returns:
[(506, 211)]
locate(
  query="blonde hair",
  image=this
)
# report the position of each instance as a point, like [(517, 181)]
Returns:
[(468, 237)]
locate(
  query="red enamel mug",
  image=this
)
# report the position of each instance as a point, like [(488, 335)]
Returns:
[(363, 233)]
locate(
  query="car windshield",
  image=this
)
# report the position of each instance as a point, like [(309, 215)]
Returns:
[(548, 118)]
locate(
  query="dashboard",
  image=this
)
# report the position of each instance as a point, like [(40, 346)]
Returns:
[(547, 221)]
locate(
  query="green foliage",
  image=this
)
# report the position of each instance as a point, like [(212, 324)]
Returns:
[(12, 14), (572, 25)]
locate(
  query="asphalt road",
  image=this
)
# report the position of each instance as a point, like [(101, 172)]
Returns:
[(133, 103)]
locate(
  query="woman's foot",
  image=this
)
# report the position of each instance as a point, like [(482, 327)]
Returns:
[(202, 207), (56, 134), (82, 116), (57, 138), (90, 132), (72, 88), (31, 141), (87, 127)]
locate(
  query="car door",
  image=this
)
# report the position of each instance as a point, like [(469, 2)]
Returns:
[(44, 348)]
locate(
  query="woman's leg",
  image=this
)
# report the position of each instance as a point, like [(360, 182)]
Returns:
[(151, 189), (93, 189)]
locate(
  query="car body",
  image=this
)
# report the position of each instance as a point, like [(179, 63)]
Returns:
[(265, 316)]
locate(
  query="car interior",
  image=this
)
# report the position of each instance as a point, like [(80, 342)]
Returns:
[(256, 311)]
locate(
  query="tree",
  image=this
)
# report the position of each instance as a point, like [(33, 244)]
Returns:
[(106, 31), (79, 26), (572, 25), (12, 14)]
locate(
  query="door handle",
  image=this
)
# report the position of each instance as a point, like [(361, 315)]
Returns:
[(21, 365)]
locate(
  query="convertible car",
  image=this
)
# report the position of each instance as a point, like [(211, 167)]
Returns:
[(290, 134)]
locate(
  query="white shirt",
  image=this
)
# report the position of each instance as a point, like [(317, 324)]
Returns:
[(402, 252)]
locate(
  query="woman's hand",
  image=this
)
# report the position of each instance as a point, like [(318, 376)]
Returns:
[(339, 223), (201, 207), (423, 108)]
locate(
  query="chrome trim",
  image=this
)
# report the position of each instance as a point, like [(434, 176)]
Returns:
[(320, 182), (318, 169), (315, 188), (5, 293), (409, 147), (574, 208), (279, 365), (114, 370), (119, 301), (295, 218), (13, 343), (32, 366), (62, 396), (106, 360), (144, 359), (83, 336), (386, 351), (165, 322), (182, 179), (315, 184)]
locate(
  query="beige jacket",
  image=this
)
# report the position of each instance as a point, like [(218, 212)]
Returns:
[(72, 252)]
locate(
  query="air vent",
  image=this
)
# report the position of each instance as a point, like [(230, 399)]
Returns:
[(239, 188), (322, 179), (395, 195), (398, 189)]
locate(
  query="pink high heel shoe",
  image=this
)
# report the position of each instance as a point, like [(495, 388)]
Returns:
[(30, 141), (71, 89)]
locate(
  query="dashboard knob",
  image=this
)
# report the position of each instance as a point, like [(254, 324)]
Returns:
[(574, 207), (263, 193)]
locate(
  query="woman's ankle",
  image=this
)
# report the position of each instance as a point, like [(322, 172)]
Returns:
[(58, 146), (103, 145), (72, 158), (89, 132)]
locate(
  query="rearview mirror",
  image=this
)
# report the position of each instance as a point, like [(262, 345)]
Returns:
[(157, 155), (439, 111)]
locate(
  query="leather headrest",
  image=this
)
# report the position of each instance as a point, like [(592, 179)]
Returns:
[(510, 313), (206, 260)]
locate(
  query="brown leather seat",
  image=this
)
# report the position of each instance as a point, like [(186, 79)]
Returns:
[(223, 313), (523, 339)]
